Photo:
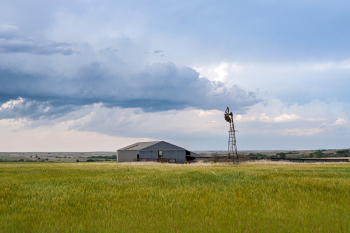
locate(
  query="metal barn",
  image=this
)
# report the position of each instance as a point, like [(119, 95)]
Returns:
[(154, 151)]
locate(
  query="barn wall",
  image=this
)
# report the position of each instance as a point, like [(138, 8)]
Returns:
[(148, 154), (126, 155), (179, 155)]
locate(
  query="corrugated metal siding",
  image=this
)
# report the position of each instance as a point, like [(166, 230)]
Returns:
[(147, 155), (179, 155), (155, 154), (175, 154), (126, 155)]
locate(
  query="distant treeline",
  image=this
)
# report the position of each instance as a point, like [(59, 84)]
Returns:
[(317, 154), (103, 157), (23, 160), (343, 153)]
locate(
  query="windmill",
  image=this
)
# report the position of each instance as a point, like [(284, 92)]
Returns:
[(232, 137)]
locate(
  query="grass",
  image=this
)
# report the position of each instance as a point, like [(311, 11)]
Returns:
[(111, 197)]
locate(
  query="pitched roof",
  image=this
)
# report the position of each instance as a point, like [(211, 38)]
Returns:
[(163, 146), (139, 145)]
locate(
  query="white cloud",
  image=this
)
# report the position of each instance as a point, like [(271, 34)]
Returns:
[(273, 117), (96, 127), (279, 119), (339, 121), (286, 118), (301, 132), (218, 72), (263, 117), (282, 118), (298, 81), (11, 103), (221, 72)]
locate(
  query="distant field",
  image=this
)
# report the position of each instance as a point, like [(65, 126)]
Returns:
[(330, 153), (55, 156), (112, 155), (146, 197)]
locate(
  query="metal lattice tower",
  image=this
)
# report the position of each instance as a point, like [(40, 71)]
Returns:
[(232, 147)]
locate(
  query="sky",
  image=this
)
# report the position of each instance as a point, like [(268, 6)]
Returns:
[(85, 75)]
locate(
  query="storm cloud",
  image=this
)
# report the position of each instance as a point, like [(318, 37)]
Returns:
[(159, 87)]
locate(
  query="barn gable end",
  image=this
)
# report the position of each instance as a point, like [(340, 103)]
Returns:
[(162, 146)]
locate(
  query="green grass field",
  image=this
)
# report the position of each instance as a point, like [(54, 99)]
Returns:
[(111, 197)]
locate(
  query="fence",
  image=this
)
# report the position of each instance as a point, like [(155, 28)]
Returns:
[(310, 160), (161, 160), (242, 159), (222, 159)]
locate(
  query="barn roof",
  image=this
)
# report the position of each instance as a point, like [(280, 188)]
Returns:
[(139, 145), (155, 145)]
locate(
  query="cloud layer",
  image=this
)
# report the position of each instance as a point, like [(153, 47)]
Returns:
[(158, 87)]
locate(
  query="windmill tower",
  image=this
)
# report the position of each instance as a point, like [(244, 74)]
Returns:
[(232, 147)]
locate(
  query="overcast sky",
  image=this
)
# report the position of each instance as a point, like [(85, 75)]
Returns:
[(84, 75)]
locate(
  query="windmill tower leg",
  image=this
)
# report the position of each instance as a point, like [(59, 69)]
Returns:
[(234, 140), (232, 147)]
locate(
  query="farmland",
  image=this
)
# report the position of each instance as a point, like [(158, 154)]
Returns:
[(148, 197), (56, 156), (110, 155)]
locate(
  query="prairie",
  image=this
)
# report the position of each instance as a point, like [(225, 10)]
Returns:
[(148, 197)]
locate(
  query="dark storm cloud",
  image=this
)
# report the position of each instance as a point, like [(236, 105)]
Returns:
[(159, 87)]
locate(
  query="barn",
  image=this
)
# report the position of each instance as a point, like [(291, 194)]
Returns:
[(154, 151)]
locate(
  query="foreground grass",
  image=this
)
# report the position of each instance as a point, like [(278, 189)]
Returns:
[(110, 197)]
